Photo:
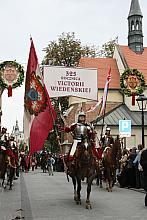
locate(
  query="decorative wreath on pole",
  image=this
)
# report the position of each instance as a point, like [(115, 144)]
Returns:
[(11, 75), (132, 83)]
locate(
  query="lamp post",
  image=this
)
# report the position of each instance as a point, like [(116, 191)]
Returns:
[(0, 123), (142, 102)]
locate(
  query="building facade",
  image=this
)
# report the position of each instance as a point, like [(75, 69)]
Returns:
[(119, 106)]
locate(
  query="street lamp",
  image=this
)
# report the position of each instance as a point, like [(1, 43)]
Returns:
[(0, 118), (142, 102)]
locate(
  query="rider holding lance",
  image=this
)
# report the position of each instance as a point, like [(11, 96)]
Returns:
[(83, 134), (107, 140)]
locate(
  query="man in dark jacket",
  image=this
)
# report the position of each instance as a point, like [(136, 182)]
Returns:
[(143, 162)]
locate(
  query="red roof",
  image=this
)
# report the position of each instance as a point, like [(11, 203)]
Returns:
[(135, 61), (103, 65)]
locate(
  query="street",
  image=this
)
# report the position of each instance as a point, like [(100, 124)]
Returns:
[(38, 196)]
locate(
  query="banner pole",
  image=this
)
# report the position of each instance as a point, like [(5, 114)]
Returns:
[(55, 128)]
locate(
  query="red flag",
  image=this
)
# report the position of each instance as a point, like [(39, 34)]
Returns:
[(104, 98), (35, 96), (37, 102), (41, 125)]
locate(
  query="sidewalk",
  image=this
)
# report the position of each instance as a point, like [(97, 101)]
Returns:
[(137, 190), (10, 202), (141, 190)]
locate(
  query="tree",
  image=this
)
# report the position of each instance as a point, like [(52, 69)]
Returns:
[(67, 51), (108, 48), (51, 144)]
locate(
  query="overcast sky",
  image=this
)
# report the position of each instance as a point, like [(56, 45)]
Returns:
[(93, 21)]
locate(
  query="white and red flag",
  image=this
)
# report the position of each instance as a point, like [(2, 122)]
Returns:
[(37, 104), (92, 108), (104, 98)]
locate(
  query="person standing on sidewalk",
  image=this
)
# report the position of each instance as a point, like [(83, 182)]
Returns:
[(138, 167), (50, 163), (143, 162)]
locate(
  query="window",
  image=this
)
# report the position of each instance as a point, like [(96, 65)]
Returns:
[(138, 48), (132, 26), (137, 25)]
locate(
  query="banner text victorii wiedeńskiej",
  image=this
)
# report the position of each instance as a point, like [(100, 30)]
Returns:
[(64, 81)]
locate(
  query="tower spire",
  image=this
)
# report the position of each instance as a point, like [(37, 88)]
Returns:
[(135, 35), (135, 8)]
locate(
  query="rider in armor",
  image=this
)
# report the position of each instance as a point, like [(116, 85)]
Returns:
[(82, 133), (107, 140)]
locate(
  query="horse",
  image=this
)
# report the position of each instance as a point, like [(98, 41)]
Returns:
[(7, 166), (109, 171), (3, 167), (84, 165), (111, 158)]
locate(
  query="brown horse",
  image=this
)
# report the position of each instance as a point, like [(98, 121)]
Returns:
[(84, 165), (111, 158), (3, 167), (109, 169), (7, 165)]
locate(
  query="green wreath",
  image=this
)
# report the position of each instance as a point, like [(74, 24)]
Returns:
[(20, 78), (139, 89)]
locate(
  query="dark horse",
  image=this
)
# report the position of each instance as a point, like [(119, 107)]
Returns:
[(84, 165), (3, 167), (7, 165), (109, 168), (111, 158)]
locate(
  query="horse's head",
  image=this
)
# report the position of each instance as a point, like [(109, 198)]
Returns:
[(83, 153), (107, 152)]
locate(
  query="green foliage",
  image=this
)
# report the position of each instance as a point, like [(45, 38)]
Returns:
[(51, 144), (108, 48), (67, 51)]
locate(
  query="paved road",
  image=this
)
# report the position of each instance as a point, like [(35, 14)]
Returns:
[(38, 196)]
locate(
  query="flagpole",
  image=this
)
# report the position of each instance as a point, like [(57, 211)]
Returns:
[(104, 111), (103, 120), (55, 128)]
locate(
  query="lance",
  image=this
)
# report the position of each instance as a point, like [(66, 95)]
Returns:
[(59, 143)]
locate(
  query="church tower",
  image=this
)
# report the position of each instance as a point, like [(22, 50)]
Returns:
[(135, 35)]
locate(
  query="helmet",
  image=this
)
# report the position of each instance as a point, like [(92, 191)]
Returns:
[(81, 114), (108, 129)]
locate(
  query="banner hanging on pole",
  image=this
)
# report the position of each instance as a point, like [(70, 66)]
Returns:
[(65, 81)]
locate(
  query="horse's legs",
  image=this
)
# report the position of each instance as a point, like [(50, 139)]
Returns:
[(78, 191), (107, 184), (89, 183), (113, 177), (11, 177), (109, 180), (101, 184), (100, 180), (111, 185), (75, 191), (3, 179), (3, 182)]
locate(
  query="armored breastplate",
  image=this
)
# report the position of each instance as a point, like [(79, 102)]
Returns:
[(80, 132), (108, 141)]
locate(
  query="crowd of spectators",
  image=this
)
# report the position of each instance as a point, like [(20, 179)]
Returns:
[(131, 172)]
